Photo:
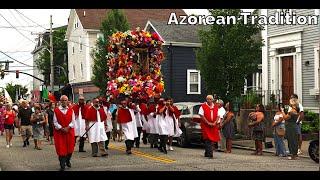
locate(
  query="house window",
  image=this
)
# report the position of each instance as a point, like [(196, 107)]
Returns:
[(316, 67), (76, 24), (74, 71), (72, 48), (81, 70), (80, 43), (193, 81)]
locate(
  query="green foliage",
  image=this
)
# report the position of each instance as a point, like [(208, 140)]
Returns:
[(250, 100), (307, 127), (59, 54), (12, 89), (228, 54), (312, 118), (115, 21)]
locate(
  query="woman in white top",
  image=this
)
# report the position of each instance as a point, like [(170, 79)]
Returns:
[(279, 132)]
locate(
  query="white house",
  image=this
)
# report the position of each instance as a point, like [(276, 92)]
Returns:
[(290, 59)]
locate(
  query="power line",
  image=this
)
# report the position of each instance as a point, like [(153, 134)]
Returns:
[(15, 59), (29, 19), (17, 29)]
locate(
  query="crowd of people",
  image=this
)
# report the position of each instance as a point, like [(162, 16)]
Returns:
[(98, 120)]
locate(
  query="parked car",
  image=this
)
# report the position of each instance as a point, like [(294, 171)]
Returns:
[(190, 126)]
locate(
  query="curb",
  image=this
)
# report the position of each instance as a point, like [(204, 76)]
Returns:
[(265, 151)]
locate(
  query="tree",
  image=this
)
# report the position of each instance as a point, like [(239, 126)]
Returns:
[(115, 21), (228, 54), (59, 57), (13, 89)]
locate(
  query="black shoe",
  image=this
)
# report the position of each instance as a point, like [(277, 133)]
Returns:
[(156, 146), (106, 148), (165, 150), (144, 141), (94, 155), (68, 164), (137, 145), (27, 142), (128, 152), (160, 149), (210, 156), (151, 145), (24, 144), (81, 150), (62, 168), (104, 155)]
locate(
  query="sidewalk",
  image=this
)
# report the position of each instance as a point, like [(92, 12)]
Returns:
[(249, 145)]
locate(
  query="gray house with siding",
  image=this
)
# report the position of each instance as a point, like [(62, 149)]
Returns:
[(183, 81), (290, 59)]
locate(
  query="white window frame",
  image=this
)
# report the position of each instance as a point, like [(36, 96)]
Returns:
[(74, 71), (189, 71), (81, 70), (76, 23), (80, 44), (72, 48)]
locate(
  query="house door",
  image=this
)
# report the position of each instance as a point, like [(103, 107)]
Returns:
[(287, 78)]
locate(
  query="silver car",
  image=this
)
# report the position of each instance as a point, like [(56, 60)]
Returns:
[(190, 126)]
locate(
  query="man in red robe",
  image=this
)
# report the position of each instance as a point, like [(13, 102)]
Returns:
[(210, 130), (63, 134), (80, 112), (96, 126), (125, 117)]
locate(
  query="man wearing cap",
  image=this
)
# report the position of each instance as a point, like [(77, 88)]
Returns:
[(63, 133), (95, 125), (209, 126), (80, 125)]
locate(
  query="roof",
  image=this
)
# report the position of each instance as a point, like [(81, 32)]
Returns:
[(177, 33), (92, 18)]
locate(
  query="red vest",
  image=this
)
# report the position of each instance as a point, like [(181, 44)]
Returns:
[(144, 109), (76, 110), (63, 119), (64, 142), (124, 115), (152, 108), (91, 114), (210, 113)]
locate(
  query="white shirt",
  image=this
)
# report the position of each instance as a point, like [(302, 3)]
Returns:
[(64, 111), (221, 113)]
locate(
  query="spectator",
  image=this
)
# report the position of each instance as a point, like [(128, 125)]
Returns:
[(221, 115), (24, 115), (228, 127), (50, 113), (291, 128), (257, 125), (38, 119), (2, 112), (10, 115), (278, 132), (299, 121)]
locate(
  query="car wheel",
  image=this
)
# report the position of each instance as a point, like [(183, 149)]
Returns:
[(183, 140), (314, 151)]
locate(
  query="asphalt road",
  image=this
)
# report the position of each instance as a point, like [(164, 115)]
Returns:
[(18, 158)]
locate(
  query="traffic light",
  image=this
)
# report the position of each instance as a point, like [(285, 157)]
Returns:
[(17, 74), (6, 66)]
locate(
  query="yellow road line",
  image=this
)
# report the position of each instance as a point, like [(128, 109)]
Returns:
[(145, 155)]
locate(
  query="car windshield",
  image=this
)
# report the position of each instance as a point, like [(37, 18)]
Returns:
[(196, 109), (183, 109)]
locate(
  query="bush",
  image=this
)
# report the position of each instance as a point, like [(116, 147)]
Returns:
[(311, 122), (250, 100), (307, 127)]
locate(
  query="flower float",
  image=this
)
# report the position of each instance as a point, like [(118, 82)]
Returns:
[(134, 60)]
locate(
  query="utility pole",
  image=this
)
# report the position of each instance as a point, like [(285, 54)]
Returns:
[(51, 58)]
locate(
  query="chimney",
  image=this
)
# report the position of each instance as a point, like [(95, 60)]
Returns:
[(84, 13)]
